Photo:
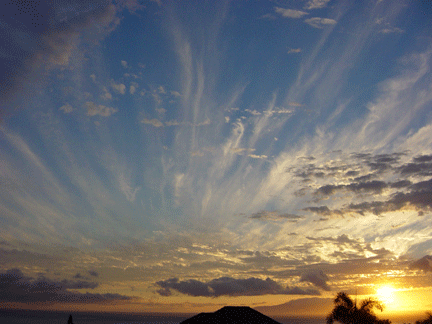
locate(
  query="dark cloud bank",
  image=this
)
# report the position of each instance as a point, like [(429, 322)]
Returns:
[(16, 287), (226, 286)]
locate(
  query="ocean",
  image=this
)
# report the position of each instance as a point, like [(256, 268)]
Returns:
[(61, 317), (52, 317)]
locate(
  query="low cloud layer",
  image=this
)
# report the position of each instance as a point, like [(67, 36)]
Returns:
[(16, 287), (226, 286)]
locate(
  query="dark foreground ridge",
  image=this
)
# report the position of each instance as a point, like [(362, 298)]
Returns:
[(232, 315)]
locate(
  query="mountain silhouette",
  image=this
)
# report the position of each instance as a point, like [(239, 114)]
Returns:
[(232, 315)]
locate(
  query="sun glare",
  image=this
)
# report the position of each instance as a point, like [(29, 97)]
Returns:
[(386, 295)]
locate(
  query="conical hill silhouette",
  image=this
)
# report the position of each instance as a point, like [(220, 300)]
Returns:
[(232, 315)]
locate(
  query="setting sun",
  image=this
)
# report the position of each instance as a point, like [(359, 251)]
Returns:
[(386, 295)]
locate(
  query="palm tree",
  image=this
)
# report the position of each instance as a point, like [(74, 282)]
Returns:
[(347, 312), (428, 320)]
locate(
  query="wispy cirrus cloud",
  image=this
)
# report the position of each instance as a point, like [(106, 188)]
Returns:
[(275, 215), (320, 23), (57, 37), (99, 110)]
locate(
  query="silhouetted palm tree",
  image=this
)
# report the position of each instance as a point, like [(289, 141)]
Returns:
[(347, 312), (428, 320)]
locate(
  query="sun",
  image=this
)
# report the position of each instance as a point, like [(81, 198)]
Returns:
[(385, 294)]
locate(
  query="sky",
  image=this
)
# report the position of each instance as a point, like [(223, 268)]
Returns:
[(179, 156)]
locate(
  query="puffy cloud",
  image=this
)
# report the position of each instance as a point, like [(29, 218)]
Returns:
[(400, 184), (242, 150), (197, 153), (67, 108), (362, 174), (172, 123), (278, 110), (339, 239), (317, 278), (323, 210), (316, 4), (124, 64), (119, 87), (204, 123), (369, 186), (423, 159), (391, 30), (291, 51), (155, 122), (419, 198), (175, 93), (78, 276), (106, 94), (93, 273), (226, 286), (254, 156), (161, 111), (317, 22), (290, 13), (253, 112), (293, 103), (101, 110), (15, 287), (420, 166)]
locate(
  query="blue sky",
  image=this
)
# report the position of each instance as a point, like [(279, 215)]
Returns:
[(160, 153)]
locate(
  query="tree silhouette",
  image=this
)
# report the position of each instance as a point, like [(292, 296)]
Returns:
[(347, 312), (70, 320), (428, 320)]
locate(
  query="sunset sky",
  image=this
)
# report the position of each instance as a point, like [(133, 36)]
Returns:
[(179, 156)]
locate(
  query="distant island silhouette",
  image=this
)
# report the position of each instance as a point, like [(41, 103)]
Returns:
[(232, 315)]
